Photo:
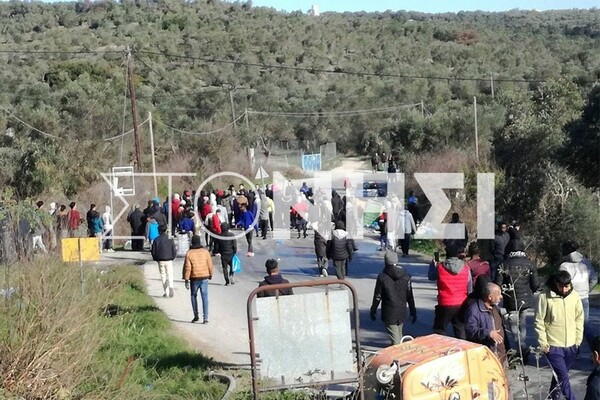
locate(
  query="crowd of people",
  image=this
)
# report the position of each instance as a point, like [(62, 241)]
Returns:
[(485, 289)]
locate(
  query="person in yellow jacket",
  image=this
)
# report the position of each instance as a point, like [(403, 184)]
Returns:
[(198, 270), (559, 329)]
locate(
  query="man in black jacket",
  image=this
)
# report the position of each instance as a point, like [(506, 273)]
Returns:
[(394, 290), (518, 278), (340, 249), (164, 252), (498, 247), (274, 278), (137, 221), (227, 248)]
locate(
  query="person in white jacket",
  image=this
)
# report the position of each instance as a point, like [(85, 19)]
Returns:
[(107, 222), (583, 277)]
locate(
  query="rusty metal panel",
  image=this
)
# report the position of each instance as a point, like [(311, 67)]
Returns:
[(304, 338)]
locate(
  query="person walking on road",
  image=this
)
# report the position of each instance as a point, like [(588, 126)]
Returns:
[(320, 251), (273, 278), (264, 214), (247, 223), (340, 249), (226, 247), (197, 271), (454, 284), (393, 290), (559, 329), (164, 252)]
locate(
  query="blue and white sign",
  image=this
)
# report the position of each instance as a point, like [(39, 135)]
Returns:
[(311, 162)]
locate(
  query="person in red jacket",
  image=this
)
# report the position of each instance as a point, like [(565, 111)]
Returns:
[(454, 284), (74, 219)]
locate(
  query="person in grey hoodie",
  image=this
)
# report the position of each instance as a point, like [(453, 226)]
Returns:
[(340, 249), (264, 214), (454, 283), (583, 277)]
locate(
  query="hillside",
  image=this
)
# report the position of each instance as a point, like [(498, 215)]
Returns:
[(401, 82)]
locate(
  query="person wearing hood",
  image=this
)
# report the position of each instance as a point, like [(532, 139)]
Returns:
[(518, 278), (583, 277), (273, 278), (559, 328), (226, 248), (137, 222), (454, 283), (340, 249), (321, 248), (336, 205), (107, 225), (393, 290)]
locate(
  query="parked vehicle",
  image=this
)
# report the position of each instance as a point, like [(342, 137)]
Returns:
[(374, 189), (435, 367)]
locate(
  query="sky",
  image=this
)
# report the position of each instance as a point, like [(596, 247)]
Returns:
[(429, 6)]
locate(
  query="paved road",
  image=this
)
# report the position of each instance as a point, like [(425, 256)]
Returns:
[(225, 338)]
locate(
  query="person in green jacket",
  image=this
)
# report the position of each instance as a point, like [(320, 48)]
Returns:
[(559, 329)]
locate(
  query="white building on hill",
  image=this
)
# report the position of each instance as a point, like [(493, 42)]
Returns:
[(314, 11)]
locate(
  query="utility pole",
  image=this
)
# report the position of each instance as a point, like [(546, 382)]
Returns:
[(232, 109), (136, 131), (422, 109), (476, 134), (492, 84), (152, 150)]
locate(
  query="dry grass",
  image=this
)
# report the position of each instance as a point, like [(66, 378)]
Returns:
[(49, 331)]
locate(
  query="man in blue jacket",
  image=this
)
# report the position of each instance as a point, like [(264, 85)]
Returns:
[(483, 322)]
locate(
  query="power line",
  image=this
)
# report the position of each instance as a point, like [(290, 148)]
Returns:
[(27, 125), (12, 51), (326, 114), (339, 71), (124, 133), (202, 133)]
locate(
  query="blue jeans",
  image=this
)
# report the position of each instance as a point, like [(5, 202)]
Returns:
[(201, 284), (561, 359), (383, 240)]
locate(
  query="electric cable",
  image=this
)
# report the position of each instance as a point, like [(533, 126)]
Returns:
[(339, 71), (27, 125), (201, 133)]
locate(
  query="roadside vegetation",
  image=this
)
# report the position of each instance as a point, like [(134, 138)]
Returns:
[(112, 343)]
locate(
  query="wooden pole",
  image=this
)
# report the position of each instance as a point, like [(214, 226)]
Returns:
[(492, 84), (136, 131), (232, 110), (153, 155), (476, 134)]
